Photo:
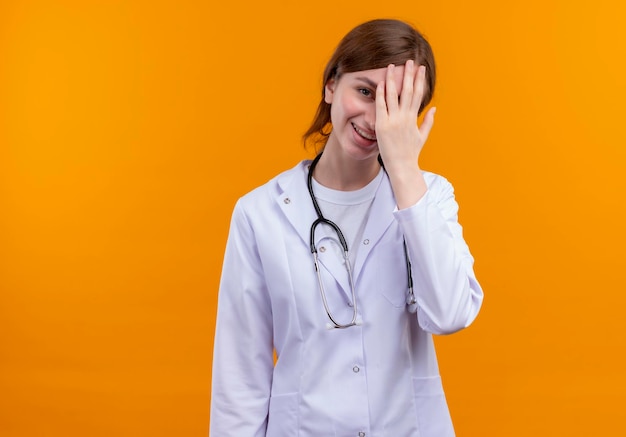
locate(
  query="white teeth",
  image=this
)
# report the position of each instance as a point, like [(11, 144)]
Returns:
[(363, 134)]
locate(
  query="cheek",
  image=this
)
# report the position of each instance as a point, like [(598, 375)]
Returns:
[(349, 107)]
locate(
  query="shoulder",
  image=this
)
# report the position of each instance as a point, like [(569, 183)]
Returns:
[(438, 185), (265, 195)]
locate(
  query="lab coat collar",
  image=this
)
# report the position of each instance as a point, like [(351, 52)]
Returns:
[(294, 201)]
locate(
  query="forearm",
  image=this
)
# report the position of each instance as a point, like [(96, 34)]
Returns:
[(447, 292)]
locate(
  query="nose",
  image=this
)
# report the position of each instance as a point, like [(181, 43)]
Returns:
[(370, 117)]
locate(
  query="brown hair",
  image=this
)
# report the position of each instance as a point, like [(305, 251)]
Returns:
[(371, 45)]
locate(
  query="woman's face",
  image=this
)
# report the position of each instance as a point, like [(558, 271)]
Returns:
[(353, 111)]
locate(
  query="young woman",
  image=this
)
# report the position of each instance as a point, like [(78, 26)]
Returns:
[(345, 266)]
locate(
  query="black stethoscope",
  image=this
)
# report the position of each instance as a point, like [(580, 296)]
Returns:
[(344, 245)]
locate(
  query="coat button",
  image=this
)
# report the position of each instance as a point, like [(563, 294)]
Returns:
[(287, 200), (361, 434), (322, 249), (366, 241), (356, 369)]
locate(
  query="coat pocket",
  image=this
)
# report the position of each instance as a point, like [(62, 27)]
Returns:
[(432, 410), (283, 416)]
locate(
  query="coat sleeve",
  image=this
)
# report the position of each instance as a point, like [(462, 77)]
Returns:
[(243, 351), (447, 292)]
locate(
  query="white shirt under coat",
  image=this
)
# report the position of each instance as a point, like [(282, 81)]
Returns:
[(377, 379)]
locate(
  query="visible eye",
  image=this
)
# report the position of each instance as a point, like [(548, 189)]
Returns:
[(365, 92)]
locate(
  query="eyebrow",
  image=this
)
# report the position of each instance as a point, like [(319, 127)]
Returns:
[(368, 81)]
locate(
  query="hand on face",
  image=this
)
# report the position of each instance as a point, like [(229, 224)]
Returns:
[(400, 140)]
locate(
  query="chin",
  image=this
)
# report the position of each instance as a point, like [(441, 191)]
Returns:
[(360, 153)]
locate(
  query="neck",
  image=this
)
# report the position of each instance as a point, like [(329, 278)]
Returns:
[(345, 173)]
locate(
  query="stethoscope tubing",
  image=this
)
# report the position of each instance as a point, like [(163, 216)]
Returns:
[(410, 300)]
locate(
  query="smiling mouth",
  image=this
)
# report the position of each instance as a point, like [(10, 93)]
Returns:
[(371, 137)]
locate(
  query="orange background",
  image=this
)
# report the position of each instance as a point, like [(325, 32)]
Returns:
[(129, 128)]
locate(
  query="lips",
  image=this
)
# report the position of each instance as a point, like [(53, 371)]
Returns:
[(368, 136)]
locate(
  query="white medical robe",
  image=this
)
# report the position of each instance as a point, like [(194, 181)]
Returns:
[(379, 378)]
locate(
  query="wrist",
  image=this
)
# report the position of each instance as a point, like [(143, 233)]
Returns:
[(408, 186)]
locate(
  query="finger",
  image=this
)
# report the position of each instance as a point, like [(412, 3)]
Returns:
[(391, 93), (420, 87), (406, 97), (427, 124), (381, 106)]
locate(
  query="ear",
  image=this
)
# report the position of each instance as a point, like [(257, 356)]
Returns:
[(329, 91)]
